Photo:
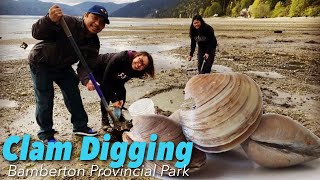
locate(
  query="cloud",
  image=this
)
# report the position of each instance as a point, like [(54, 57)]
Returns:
[(73, 2)]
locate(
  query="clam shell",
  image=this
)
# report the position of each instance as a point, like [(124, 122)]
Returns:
[(279, 141), (167, 130), (228, 108), (175, 116)]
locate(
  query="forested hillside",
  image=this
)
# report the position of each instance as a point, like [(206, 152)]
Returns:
[(247, 8), (145, 8), (176, 8)]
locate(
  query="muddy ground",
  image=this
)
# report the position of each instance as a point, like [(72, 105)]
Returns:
[(286, 66)]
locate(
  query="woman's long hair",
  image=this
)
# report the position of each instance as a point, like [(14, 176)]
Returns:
[(193, 31), (149, 70)]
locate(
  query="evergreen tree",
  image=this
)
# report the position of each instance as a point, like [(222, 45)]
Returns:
[(298, 7), (260, 9), (279, 10)]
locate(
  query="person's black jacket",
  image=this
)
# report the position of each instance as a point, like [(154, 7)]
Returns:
[(55, 50), (205, 38), (112, 71)]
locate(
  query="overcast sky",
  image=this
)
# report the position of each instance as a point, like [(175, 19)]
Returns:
[(73, 2)]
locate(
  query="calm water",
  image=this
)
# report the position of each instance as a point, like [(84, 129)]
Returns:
[(15, 27), (19, 28)]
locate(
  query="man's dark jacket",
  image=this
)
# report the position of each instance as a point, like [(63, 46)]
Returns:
[(55, 51)]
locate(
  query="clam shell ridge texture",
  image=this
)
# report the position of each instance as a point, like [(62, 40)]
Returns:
[(279, 141), (227, 109), (167, 130)]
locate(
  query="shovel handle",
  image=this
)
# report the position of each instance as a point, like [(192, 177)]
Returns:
[(85, 65)]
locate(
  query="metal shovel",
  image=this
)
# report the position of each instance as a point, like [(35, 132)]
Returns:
[(203, 62)]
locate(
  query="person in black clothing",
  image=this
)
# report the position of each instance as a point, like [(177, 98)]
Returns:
[(51, 59), (202, 34), (113, 70)]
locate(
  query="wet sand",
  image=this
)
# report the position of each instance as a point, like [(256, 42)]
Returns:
[(286, 66)]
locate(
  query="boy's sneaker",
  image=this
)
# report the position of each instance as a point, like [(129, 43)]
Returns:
[(86, 132), (49, 140)]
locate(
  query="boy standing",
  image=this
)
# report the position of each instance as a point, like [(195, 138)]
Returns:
[(51, 59)]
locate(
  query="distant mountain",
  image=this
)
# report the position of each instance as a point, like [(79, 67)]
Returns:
[(111, 7), (144, 8), (28, 7), (36, 7)]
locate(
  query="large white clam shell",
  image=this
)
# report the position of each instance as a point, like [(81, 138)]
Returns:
[(279, 141), (228, 108), (166, 130)]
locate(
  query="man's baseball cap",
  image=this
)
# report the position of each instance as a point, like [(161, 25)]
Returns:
[(100, 10)]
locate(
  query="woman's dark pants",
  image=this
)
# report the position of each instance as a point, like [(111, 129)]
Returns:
[(208, 63)]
